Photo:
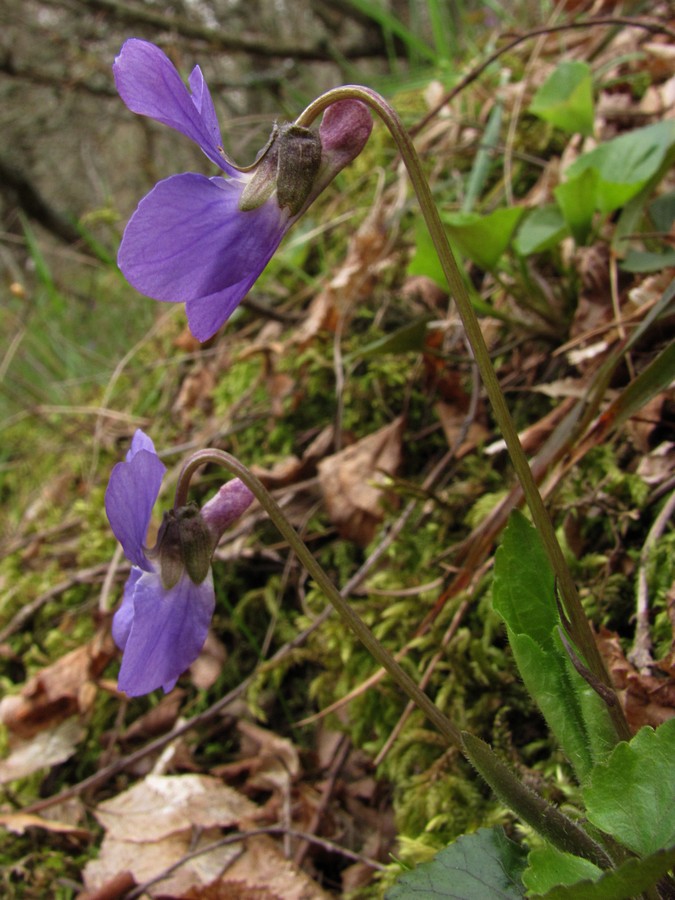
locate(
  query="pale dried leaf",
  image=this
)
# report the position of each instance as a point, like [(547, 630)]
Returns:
[(161, 805), (48, 748), (19, 822), (146, 861)]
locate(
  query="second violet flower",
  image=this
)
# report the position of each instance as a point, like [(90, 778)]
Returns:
[(169, 596), (204, 241)]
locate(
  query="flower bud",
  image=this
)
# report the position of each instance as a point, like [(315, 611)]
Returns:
[(184, 544), (290, 165)]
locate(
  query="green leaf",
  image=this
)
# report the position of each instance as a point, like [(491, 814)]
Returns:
[(643, 261), (542, 229), (523, 593), (549, 867), (408, 338), (566, 98), (632, 795), (425, 260), (577, 200), (475, 866), (625, 164), (483, 238), (625, 883)]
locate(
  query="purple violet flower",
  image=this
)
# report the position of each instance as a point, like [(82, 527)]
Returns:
[(204, 241), (169, 598)]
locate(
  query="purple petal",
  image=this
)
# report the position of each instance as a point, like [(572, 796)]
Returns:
[(167, 632), (231, 501), (188, 241), (124, 617), (131, 495), (150, 85)]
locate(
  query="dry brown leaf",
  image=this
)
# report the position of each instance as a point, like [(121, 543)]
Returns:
[(292, 469), (146, 861), (350, 481), (66, 687), (453, 422), (48, 748), (274, 761), (151, 827), (263, 868), (647, 699)]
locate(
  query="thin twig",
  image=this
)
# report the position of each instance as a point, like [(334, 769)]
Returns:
[(641, 655)]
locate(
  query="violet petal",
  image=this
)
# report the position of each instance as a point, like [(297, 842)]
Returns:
[(131, 495), (150, 85), (167, 633), (188, 241), (124, 617)]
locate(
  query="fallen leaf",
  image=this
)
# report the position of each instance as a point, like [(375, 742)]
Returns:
[(59, 691), (147, 861), (151, 827), (647, 699), (263, 873), (19, 822), (48, 748), (161, 805), (351, 481)]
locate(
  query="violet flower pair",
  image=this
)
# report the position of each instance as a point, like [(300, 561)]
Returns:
[(201, 241), (204, 241)]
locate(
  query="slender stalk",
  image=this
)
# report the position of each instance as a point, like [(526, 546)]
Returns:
[(543, 817), (580, 632), (358, 626)]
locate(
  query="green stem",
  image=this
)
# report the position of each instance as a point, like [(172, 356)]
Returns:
[(581, 632), (533, 809), (360, 629)]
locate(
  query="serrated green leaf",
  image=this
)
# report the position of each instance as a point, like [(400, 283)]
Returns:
[(549, 867), (632, 795), (624, 883), (566, 98), (626, 163), (543, 229), (476, 866)]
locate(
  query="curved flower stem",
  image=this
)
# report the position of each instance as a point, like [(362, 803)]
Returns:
[(542, 816), (580, 629), (358, 626)]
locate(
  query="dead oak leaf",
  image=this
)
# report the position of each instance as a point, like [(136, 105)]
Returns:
[(352, 481)]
